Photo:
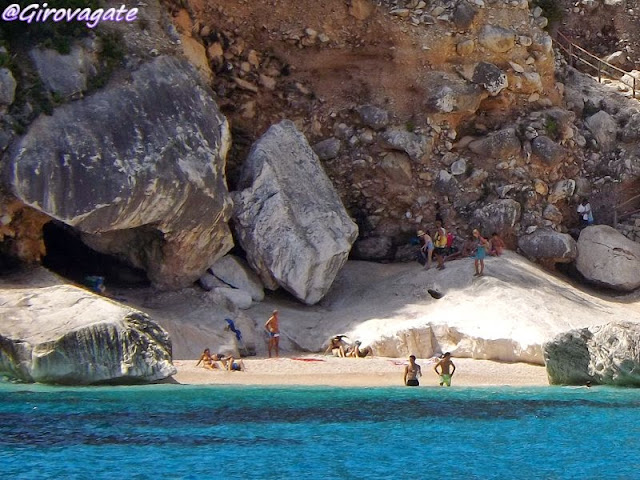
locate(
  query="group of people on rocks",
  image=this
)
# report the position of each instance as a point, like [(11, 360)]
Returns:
[(440, 246)]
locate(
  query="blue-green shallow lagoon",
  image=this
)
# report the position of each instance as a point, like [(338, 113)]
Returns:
[(174, 431)]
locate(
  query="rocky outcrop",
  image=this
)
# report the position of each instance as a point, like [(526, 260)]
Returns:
[(499, 216), (548, 244), (608, 258), (606, 354), (288, 217), (499, 145), (55, 333), (138, 168)]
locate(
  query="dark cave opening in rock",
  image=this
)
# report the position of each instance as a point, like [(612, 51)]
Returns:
[(69, 257)]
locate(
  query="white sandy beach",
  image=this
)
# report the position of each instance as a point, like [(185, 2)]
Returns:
[(366, 372)]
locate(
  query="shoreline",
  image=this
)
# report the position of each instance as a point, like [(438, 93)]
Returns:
[(319, 370)]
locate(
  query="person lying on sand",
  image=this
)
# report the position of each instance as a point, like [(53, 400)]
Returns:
[(357, 352), (233, 366)]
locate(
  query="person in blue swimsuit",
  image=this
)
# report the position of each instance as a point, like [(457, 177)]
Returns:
[(482, 245)]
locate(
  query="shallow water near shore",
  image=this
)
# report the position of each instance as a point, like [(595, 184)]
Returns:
[(232, 432)]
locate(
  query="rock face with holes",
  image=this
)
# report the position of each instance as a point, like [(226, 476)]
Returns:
[(138, 168), (605, 354), (608, 258), (288, 217), (56, 333)]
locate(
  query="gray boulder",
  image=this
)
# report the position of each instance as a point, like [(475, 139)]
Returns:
[(64, 74), (497, 39), (499, 216), (608, 258), (604, 354), (490, 77), (604, 129), (397, 166), (7, 87), (547, 151), (631, 131), (235, 272), (447, 93), (562, 190), (463, 16), (209, 281), (374, 117), (289, 218), (56, 333), (418, 147), (139, 168), (548, 244), (328, 149), (553, 214), (499, 145), (446, 183)]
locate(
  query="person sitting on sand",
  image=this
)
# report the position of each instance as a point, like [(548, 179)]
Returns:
[(447, 369), (207, 360), (233, 366), (357, 352), (336, 346), (412, 372), (468, 249), (497, 245)]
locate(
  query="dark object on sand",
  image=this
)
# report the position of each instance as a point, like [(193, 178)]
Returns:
[(435, 294)]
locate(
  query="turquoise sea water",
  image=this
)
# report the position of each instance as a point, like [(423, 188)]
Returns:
[(214, 432)]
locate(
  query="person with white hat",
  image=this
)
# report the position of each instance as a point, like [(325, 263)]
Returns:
[(426, 250)]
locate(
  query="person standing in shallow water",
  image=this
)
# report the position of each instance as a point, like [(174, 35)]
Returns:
[(273, 329), (447, 369), (412, 372), (482, 246)]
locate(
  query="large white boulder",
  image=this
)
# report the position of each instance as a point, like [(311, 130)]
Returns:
[(235, 272), (608, 258), (604, 354), (56, 333), (289, 218), (546, 243)]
